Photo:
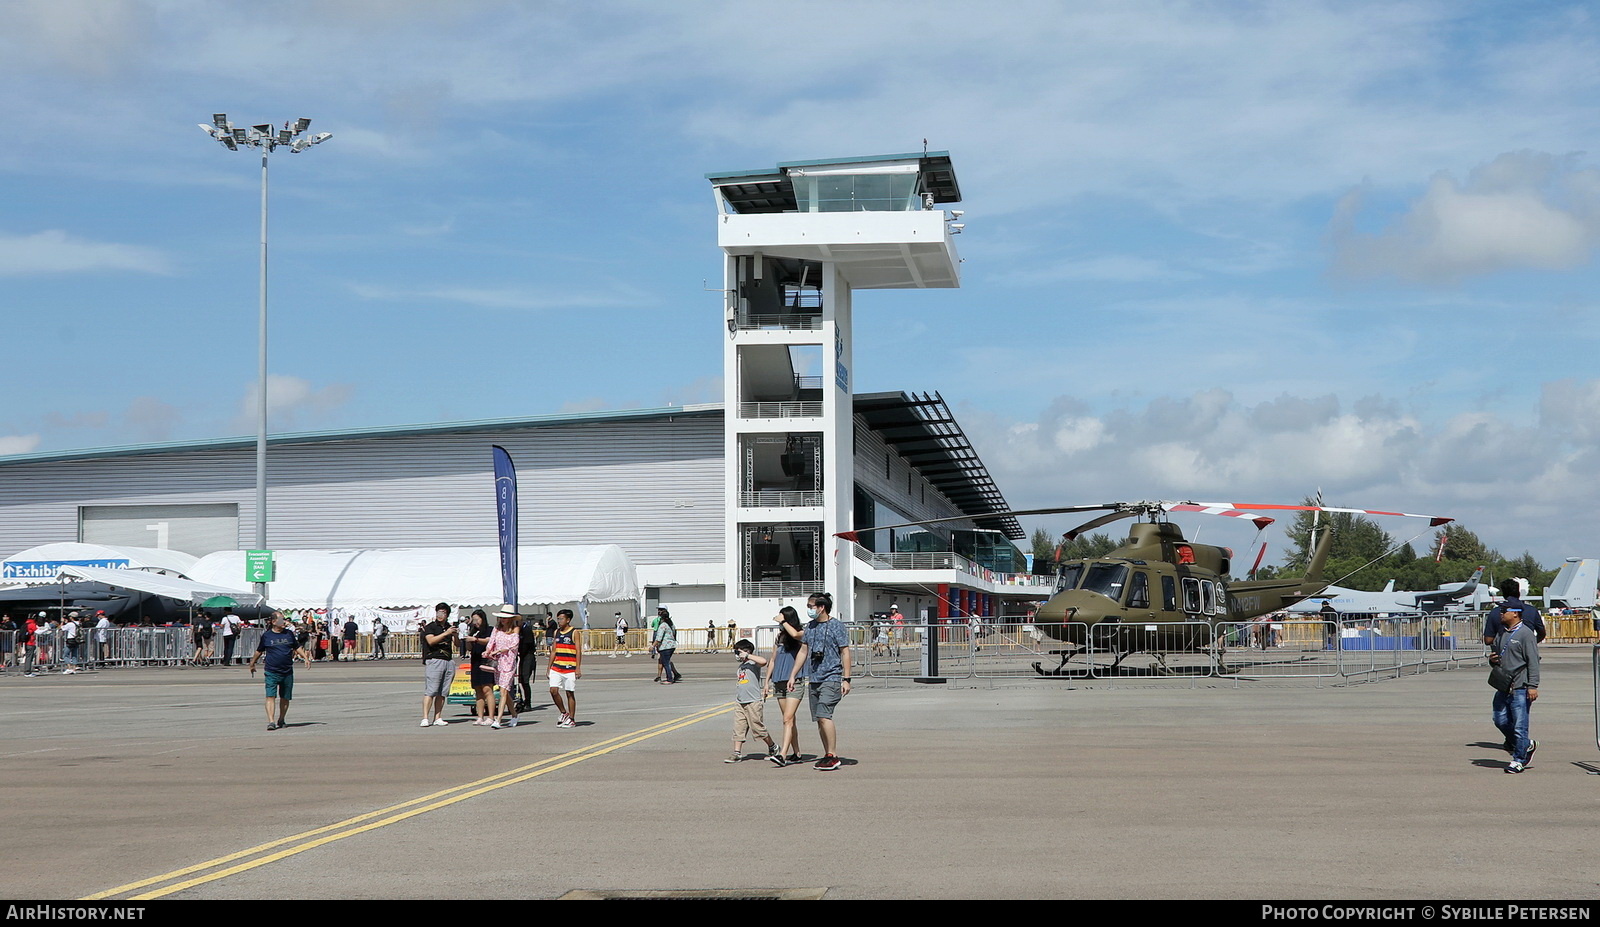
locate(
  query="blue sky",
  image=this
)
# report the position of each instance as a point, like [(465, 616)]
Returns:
[(1213, 250)]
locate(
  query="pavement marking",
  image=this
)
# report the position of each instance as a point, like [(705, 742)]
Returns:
[(362, 823)]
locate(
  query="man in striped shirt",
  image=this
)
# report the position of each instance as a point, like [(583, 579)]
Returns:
[(566, 668)]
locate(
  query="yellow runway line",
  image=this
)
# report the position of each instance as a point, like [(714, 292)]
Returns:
[(359, 824)]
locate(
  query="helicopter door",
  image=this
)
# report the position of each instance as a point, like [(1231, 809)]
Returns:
[(1169, 594), (1139, 593), (1192, 605), (1208, 597)]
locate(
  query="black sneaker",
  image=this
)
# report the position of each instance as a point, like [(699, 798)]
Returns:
[(828, 763), (1532, 746), (272, 725), (777, 760), (794, 758)]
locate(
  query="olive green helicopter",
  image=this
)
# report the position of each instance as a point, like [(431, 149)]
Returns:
[(1159, 593)]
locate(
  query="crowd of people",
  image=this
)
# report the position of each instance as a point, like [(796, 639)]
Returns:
[(808, 658)]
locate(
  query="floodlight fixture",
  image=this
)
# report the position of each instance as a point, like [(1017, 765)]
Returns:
[(220, 120), (241, 134), (284, 136), (209, 130), (301, 124), (264, 129), (230, 143), (321, 137)]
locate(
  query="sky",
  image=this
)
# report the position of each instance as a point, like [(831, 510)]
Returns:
[(1213, 251)]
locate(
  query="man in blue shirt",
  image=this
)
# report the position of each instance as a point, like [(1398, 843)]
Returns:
[(825, 655), (280, 646), (1530, 615)]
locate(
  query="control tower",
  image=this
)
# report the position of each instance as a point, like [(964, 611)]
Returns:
[(798, 241)]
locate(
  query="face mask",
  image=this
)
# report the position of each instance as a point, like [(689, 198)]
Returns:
[(812, 613)]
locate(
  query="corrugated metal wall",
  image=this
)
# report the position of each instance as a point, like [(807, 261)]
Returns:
[(652, 486)]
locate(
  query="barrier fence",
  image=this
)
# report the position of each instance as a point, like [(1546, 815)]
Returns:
[(1310, 649), (1238, 650)]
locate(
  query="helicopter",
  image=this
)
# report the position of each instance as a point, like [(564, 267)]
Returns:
[(1159, 593)]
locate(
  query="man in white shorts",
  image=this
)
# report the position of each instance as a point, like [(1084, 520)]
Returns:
[(566, 666)]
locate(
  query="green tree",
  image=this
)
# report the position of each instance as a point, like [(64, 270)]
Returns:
[(1044, 546), (1464, 544), (1354, 537), (1085, 548)]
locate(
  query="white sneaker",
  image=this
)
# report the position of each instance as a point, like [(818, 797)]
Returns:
[(495, 725), (427, 723), (439, 722), (511, 722)]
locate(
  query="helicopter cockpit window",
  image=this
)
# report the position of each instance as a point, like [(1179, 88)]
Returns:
[(1191, 596), (1108, 579), (1139, 592), (1169, 594), (1208, 598), (1068, 577)]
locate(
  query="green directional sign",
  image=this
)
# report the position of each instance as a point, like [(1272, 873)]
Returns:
[(258, 566)]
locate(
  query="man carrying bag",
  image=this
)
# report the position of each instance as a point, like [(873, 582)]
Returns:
[(1514, 674)]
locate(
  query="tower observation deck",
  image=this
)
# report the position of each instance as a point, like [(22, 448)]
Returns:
[(797, 241)]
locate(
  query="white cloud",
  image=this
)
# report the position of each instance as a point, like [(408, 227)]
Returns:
[(614, 296), (17, 444), (1517, 482), (55, 252), (292, 402), (1523, 210)]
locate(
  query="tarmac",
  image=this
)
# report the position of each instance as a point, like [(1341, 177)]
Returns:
[(164, 783)]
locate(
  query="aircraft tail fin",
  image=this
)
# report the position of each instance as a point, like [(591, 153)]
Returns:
[(1389, 586)]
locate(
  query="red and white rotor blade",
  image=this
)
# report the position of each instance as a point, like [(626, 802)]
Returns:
[(1225, 508), (1212, 508)]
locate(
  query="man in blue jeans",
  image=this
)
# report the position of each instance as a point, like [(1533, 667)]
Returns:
[(1516, 653)]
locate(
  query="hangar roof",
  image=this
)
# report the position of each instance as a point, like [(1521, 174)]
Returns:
[(919, 426)]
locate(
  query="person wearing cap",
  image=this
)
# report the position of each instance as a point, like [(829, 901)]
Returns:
[(1530, 615), (102, 638), (437, 639), (1515, 676), (72, 640)]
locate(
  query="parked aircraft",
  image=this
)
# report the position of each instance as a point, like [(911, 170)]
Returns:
[(1358, 602)]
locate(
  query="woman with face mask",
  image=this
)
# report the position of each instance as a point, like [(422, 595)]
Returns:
[(784, 650)]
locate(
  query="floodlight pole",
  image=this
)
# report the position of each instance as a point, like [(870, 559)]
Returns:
[(261, 386), (264, 138)]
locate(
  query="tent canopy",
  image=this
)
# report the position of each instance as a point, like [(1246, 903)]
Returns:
[(39, 564), (171, 587), (425, 575)]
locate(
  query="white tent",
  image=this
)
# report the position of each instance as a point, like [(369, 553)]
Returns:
[(173, 587), (40, 564), (425, 575)]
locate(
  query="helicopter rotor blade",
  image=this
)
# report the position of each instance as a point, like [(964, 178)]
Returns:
[(1055, 510), (1096, 522), (1224, 508)]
